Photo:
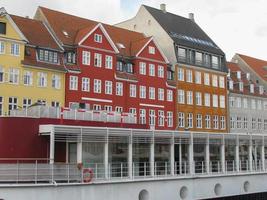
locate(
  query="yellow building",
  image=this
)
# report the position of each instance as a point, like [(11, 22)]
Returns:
[(31, 64)]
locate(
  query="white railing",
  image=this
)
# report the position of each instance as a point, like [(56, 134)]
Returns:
[(66, 113)]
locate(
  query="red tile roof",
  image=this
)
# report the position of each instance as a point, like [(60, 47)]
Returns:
[(36, 32), (77, 28), (138, 45), (259, 66)]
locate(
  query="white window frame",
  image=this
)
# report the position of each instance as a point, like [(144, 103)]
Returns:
[(189, 97), (222, 101), (215, 101), (152, 93), (85, 84), (152, 70), (142, 116), (198, 79), (181, 96), (181, 120), (97, 86), (198, 98), (206, 79), (221, 82), (160, 71), (28, 78), (161, 118), (170, 95), (13, 77), (132, 90), (189, 76), (142, 93), (199, 121), (119, 88), (108, 62), (97, 60), (2, 47), (42, 79), (56, 81), (190, 120), (207, 99), (15, 49), (151, 50), (108, 87), (98, 38), (169, 119), (180, 74), (207, 122), (160, 94), (142, 68), (73, 83), (86, 55), (214, 80)]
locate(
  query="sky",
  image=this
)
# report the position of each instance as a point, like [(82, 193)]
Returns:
[(236, 26)]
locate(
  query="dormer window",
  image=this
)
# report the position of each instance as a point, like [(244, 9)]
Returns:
[(2, 28), (47, 56), (98, 38), (238, 74), (251, 88), (199, 58), (231, 85), (215, 62), (261, 90), (241, 86), (151, 50), (181, 54), (71, 57), (129, 68), (119, 66)]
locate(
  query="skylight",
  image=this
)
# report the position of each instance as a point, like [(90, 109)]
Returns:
[(193, 40), (65, 33)]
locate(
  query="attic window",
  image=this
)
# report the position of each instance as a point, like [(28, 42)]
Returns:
[(2, 28), (65, 33), (151, 50), (120, 45), (98, 38)]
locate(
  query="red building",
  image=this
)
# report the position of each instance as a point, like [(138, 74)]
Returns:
[(113, 69)]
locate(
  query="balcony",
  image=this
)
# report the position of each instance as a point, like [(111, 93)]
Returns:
[(74, 114)]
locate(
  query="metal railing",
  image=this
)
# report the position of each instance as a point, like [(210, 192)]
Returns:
[(74, 114), (40, 171)]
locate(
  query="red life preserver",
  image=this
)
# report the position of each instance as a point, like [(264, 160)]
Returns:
[(87, 175)]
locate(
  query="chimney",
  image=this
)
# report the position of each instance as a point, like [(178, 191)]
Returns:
[(163, 7), (191, 17)]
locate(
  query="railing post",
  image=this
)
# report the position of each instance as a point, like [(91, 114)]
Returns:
[(17, 171), (250, 160), (237, 154), (36, 171), (152, 156), (68, 168), (145, 169), (52, 172), (96, 170), (106, 164), (263, 154), (191, 154), (207, 155), (172, 156), (121, 171), (130, 157), (222, 155)]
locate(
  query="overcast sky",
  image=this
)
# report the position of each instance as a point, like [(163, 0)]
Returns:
[(237, 26)]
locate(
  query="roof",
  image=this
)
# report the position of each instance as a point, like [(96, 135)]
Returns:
[(76, 28), (36, 32), (184, 31), (257, 65), (234, 67)]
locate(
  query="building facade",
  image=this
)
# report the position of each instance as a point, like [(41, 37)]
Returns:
[(114, 69), (198, 63), (31, 68), (247, 102)]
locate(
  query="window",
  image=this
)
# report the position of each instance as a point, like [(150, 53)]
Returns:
[(129, 68), (221, 82), (245, 124), (215, 62), (26, 102), (151, 93), (207, 99), (231, 102), (259, 105), (142, 92), (245, 102), (181, 54), (151, 50), (222, 101), (199, 58), (27, 78), (109, 63), (119, 88), (108, 108), (198, 77), (55, 104), (48, 56), (215, 122), (98, 60), (132, 90), (198, 99), (170, 119), (2, 73), (180, 74), (160, 71), (42, 79), (118, 109), (142, 68), (2, 46), (98, 38), (238, 122), (232, 122), (238, 102), (214, 80), (56, 81), (265, 105), (14, 75), (181, 121), (161, 94), (73, 83), (97, 86), (199, 121), (85, 84), (119, 66), (206, 79), (190, 120), (71, 57), (142, 116), (231, 85), (41, 102), (12, 103), (108, 87), (253, 123), (1, 106), (265, 124), (223, 127), (132, 111), (86, 58), (215, 101), (207, 122), (2, 28), (152, 117), (161, 118), (151, 70), (189, 76), (169, 95), (181, 98), (96, 107), (251, 88), (15, 49), (259, 124), (189, 97)]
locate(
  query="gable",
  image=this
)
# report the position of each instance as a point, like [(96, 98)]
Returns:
[(106, 42)]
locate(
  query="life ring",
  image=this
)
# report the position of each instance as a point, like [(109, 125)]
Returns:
[(87, 175)]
